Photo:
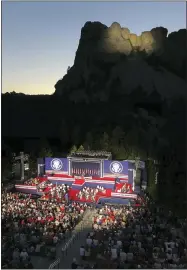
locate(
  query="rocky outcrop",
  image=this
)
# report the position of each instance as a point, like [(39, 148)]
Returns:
[(108, 54), (116, 39)]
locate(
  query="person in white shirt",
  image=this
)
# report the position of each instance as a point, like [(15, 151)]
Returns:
[(139, 245), (150, 228), (24, 255), (95, 241), (167, 245), (114, 253), (138, 229), (157, 265), (175, 258), (38, 247), (155, 255), (95, 226), (57, 222), (89, 241), (16, 254), (82, 252), (169, 255), (55, 239), (122, 255), (119, 243), (129, 257), (172, 244), (87, 252)]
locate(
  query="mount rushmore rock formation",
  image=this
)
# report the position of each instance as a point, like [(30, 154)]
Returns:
[(112, 59)]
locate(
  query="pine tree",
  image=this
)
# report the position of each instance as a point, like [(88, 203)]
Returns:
[(81, 148), (45, 149), (105, 142), (73, 149)]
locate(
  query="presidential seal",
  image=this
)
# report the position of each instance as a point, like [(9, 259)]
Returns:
[(56, 164), (116, 167)]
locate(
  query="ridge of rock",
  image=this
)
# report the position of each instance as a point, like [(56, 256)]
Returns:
[(106, 54)]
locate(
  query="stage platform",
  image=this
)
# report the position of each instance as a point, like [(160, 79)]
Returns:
[(78, 184), (87, 169)]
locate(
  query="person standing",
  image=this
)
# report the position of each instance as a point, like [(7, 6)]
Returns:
[(74, 264), (82, 253)]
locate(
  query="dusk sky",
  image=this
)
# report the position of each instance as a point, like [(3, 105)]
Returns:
[(39, 39)]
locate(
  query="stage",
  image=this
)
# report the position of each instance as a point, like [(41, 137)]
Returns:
[(86, 164), (88, 169)]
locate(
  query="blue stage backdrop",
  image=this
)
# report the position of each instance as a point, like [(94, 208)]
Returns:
[(56, 165), (85, 168), (114, 168), (41, 166), (130, 177)]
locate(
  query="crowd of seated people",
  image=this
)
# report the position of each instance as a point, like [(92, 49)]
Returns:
[(128, 238), (126, 188), (44, 185), (58, 191), (32, 182), (89, 194), (34, 227)]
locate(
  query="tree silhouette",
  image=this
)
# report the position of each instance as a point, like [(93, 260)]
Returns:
[(89, 140), (105, 142), (76, 135), (45, 149), (81, 148), (73, 149)]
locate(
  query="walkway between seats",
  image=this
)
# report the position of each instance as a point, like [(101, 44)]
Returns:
[(73, 250)]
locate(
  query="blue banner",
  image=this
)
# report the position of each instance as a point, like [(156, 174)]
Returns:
[(130, 177), (56, 165), (116, 169)]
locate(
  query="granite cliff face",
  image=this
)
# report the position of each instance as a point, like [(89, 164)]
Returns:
[(112, 59)]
